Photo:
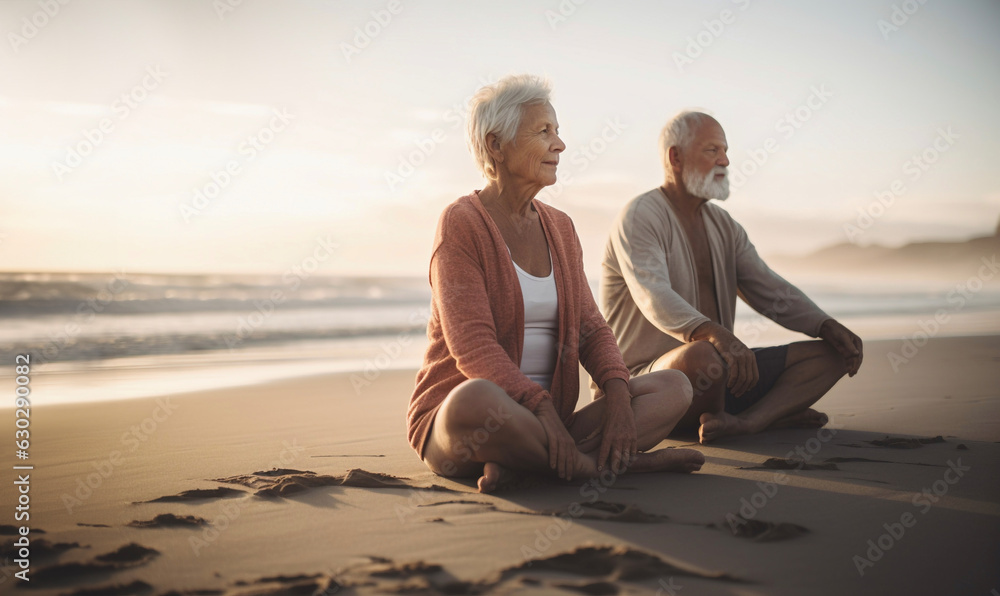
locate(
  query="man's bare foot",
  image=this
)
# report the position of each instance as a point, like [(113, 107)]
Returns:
[(668, 460), (716, 426), (808, 418)]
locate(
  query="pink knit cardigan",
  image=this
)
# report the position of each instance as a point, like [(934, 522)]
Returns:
[(476, 328)]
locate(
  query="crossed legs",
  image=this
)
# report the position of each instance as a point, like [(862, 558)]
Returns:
[(479, 429), (811, 369)]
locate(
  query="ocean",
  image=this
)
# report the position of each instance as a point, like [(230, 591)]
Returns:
[(97, 336)]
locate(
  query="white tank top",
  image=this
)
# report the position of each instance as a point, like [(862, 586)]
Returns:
[(541, 325)]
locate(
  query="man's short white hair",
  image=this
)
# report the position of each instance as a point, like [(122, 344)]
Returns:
[(679, 132), (497, 109)]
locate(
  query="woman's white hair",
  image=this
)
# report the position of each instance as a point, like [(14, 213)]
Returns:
[(496, 109), (679, 132)]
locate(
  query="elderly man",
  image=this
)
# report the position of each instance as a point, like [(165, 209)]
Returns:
[(673, 267)]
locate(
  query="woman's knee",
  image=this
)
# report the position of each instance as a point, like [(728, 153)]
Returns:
[(469, 404), (672, 386), (678, 387)]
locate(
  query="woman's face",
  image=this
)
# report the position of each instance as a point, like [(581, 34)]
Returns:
[(534, 154)]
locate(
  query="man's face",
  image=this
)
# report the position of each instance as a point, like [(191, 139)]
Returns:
[(703, 171)]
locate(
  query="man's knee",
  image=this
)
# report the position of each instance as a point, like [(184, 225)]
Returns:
[(830, 357), (702, 356), (825, 358), (702, 364)]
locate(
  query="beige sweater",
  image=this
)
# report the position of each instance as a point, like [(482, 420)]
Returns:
[(648, 283)]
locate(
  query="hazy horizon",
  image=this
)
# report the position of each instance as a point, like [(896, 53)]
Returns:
[(265, 272)]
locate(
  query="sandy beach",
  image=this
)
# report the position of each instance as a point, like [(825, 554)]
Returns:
[(308, 486)]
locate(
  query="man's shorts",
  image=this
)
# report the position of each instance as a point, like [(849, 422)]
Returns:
[(770, 365)]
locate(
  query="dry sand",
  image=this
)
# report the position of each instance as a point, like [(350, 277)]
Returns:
[(346, 507)]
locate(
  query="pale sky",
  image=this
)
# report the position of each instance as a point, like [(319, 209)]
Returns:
[(867, 98)]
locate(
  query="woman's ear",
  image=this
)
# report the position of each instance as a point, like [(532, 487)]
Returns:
[(493, 148)]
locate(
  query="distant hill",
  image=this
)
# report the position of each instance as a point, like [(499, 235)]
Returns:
[(919, 260)]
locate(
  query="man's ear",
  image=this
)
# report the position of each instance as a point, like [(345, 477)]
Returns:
[(674, 155), (493, 148)]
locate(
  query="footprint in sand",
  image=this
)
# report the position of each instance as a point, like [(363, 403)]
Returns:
[(599, 510), (169, 520), (281, 482), (777, 463), (197, 494), (9, 530), (763, 531), (905, 443), (41, 549), (135, 588), (128, 556), (600, 569)]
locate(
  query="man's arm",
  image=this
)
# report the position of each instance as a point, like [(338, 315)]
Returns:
[(777, 299), (772, 295)]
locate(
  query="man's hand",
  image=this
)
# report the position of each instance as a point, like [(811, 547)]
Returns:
[(742, 363), (846, 343), (618, 435), (562, 448)]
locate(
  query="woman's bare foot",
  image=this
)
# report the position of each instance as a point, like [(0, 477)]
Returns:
[(684, 461), (494, 477), (808, 418), (722, 424)]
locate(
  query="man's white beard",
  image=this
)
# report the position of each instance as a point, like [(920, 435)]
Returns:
[(707, 188)]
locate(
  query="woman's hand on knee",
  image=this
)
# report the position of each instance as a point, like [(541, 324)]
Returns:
[(562, 448)]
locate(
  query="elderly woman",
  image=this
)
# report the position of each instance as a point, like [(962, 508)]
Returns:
[(512, 315)]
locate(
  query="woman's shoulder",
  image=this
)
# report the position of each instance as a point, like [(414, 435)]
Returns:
[(462, 208), (461, 217)]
